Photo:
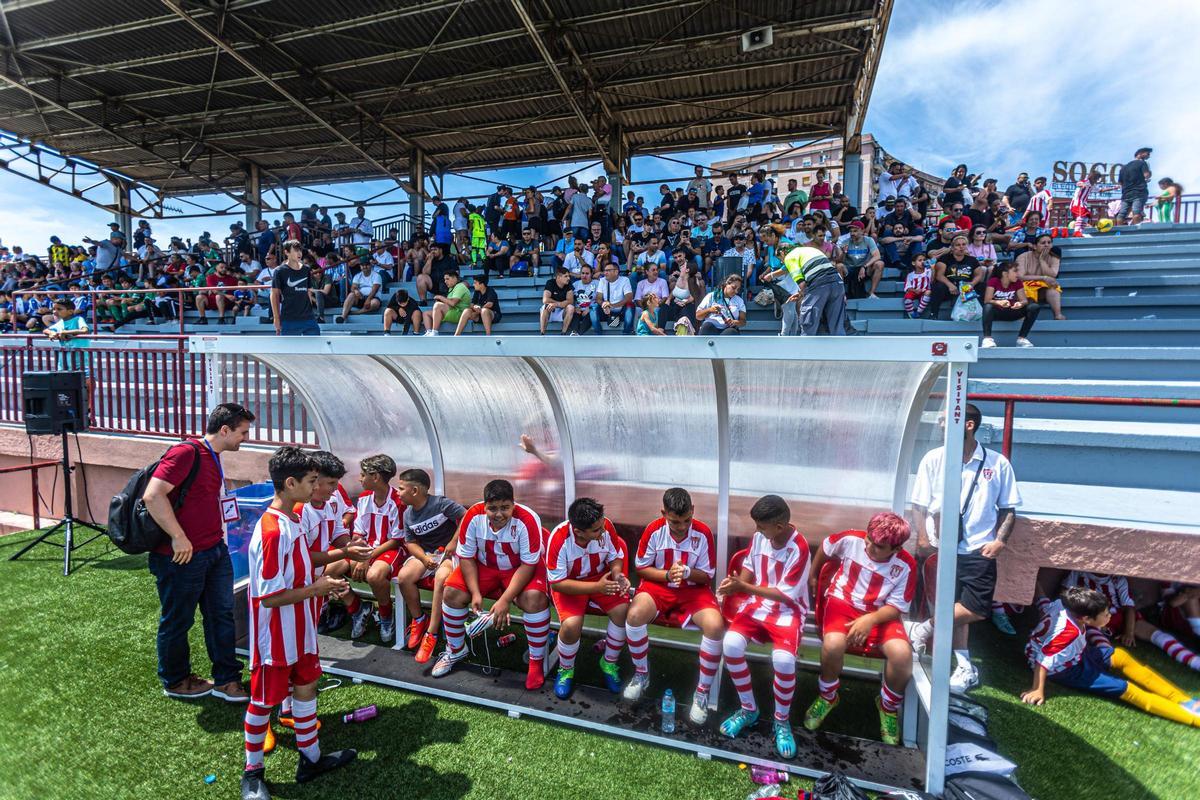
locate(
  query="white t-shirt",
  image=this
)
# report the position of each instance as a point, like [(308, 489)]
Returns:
[(364, 282), (383, 259), (997, 489), (728, 308), (361, 231), (573, 262), (585, 292), (264, 276), (613, 292), (460, 216)]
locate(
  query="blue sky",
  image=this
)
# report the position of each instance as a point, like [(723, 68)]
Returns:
[(1002, 85)]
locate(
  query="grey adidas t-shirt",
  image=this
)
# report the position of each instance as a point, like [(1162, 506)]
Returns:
[(433, 526)]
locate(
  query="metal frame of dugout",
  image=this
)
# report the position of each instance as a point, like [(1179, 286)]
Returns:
[(832, 424)]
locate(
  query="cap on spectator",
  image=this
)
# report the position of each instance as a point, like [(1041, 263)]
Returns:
[(857, 224), (234, 226), (340, 214), (204, 237), (114, 225), (739, 237), (56, 240), (116, 235), (693, 190)]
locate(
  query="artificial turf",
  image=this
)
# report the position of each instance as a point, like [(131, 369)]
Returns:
[(81, 716)]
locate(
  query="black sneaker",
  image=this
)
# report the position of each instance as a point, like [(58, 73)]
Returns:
[(308, 770), (253, 785), (202, 321), (333, 617)]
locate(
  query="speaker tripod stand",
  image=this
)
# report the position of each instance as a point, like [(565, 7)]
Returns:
[(69, 522)]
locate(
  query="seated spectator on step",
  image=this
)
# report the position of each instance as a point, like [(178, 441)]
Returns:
[(939, 240), (558, 298), (384, 261), (1005, 300), (523, 258), (223, 298), (613, 302), (900, 246), (585, 293), (978, 246), (653, 283), (431, 279), (484, 307), (637, 235), (402, 309), (450, 306), (596, 237), (1024, 238), (496, 256), (320, 291), (819, 238), (741, 249), (1038, 270), (956, 214), (652, 255), (861, 260), (871, 226), (723, 312), (579, 257), (363, 297), (565, 246), (686, 290), (953, 270), (649, 318)]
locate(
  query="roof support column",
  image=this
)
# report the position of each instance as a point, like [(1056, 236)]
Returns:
[(852, 179), (618, 178), (123, 207), (253, 194), (416, 202)]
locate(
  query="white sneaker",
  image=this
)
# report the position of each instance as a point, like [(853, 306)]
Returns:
[(387, 630), (447, 660), (987, 342), (430, 333), (964, 678), (698, 713), (478, 625), (920, 635), (636, 687), (358, 621), (1023, 342)]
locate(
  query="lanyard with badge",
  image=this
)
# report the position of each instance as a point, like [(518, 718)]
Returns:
[(228, 502), (962, 523)]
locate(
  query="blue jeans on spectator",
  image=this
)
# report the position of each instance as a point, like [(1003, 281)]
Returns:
[(205, 582), (893, 259), (299, 327), (600, 318), (582, 233)]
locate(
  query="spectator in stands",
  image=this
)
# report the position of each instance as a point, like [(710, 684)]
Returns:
[(1134, 179), (578, 257), (363, 297), (941, 240), (221, 280), (432, 277), (493, 211), (636, 237), (1005, 300), (651, 256), (450, 306), (861, 260), (723, 311), (579, 213), (523, 257), (597, 237), (1017, 197), (1167, 202), (954, 213), (613, 302), (384, 262), (565, 246), (360, 230), (733, 198), (264, 240), (893, 184), (702, 187), (1039, 204), (496, 256), (985, 522), (439, 223), (900, 246), (193, 569), (795, 195), (585, 293), (959, 187), (403, 309), (686, 289), (741, 250), (462, 225), (653, 283), (1038, 268), (822, 192), (291, 229), (320, 291), (558, 298), (953, 270), (980, 248), (1025, 237), (485, 307), (291, 309)]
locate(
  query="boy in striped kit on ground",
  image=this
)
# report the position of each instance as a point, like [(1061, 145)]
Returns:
[(283, 626), (770, 600)]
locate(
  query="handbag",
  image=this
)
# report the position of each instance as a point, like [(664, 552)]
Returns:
[(764, 298)]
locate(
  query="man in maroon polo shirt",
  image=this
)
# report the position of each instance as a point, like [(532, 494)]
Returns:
[(193, 569)]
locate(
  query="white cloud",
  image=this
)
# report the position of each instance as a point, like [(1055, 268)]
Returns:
[(1018, 84)]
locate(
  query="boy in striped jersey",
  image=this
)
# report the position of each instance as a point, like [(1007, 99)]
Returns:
[(499, 557), (770, 600), (1060, 650), (874, 584), (283, 626), (378, 521)]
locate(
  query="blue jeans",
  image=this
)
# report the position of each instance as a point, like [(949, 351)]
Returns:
[(599, 318), (303, 327), (205, 582)]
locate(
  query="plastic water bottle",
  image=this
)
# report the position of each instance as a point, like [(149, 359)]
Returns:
[(361, 714), (765, 776), (772, 790), (668, 712)]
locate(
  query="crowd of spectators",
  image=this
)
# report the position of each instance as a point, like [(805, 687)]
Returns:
[(961, 243)]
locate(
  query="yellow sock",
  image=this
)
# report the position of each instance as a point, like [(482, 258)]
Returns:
[(1158, 706), (1145, 677)]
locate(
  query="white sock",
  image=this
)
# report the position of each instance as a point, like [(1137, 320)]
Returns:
[(962, 658), (1194, 624)]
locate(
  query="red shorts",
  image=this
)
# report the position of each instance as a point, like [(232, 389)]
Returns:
[(676, 606), (394, 558), (493, 582), (839, 615), (576, 605), (1116, 623), (782, 637), (1174, 619), (270, 685)]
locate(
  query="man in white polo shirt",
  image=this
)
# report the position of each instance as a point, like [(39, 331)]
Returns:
[(989, 497)]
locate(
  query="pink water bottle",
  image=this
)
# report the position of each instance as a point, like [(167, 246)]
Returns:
[(361, 714), (765, 776)]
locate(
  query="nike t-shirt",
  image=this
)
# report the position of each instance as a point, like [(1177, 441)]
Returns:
[(294, 305), (433, 525)]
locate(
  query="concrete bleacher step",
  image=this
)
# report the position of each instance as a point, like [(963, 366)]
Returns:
[(1054, 333), (1060, 387), (1090, 363), (1075, 306)]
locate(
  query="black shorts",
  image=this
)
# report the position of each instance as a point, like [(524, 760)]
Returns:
[(510, 229), (975, 583)]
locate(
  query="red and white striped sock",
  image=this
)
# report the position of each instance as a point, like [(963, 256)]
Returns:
[(639, 647), (1175, 649), (258, 719), (739, 670), (614, 641), (454, 620), (710, 658), (566, 654), (305, 714), (353, 604), (829, 689), (537, 630), (889, 700), (785, 683)]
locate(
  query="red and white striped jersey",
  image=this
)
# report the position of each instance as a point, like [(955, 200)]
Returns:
[(1113, 587), (659, 549), (917, 282), (278, 558), (378, 523), (1083, 191), (1058, 641), (325, 524), (785, 569), (864, 583), (1040, 203), (517, 543), (565, 559)]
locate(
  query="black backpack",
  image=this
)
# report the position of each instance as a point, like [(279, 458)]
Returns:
[(130, 525)]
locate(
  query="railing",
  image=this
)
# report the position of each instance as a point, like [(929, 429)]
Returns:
[(33, 468), (401, 227)]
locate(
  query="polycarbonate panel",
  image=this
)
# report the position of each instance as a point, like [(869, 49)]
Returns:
[(358, 409), (639, 426), (827, 436), (481, 408)]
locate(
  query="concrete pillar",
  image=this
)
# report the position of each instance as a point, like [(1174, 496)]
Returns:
[(123, 216), (416, 203), (619, 178), (253, 194), (852, 179)]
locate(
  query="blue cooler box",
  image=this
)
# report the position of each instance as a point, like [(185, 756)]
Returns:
[(253, 500)]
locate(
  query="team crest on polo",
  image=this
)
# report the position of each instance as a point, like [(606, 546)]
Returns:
[(896, 570), (987, 474)]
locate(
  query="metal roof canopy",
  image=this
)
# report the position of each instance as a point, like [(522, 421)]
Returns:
[(192, 96)]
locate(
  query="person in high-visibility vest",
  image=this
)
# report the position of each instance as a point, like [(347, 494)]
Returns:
[(820, 287)]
